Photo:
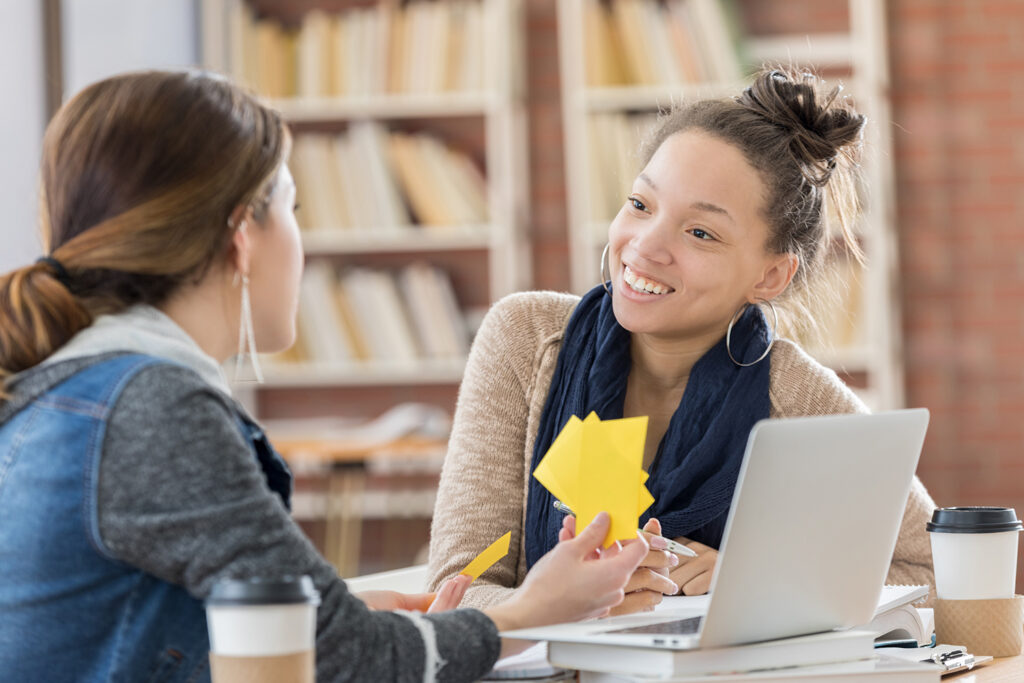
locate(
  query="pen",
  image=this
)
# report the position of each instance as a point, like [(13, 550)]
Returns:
[(677, 548)]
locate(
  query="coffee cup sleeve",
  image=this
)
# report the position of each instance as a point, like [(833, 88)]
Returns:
[(985, 627)]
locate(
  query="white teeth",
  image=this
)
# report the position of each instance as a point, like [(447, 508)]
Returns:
[(639, 284)]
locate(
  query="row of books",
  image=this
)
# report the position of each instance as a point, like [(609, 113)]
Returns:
[(371, 315), (370, 178), (418, 47), (614, 148), (646, 42)]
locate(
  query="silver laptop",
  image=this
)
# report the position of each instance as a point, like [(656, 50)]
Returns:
[(807, 543)]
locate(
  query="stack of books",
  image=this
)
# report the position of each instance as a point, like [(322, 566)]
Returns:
[(844, 656)]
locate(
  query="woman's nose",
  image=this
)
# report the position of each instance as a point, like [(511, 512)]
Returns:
[(652, 243)]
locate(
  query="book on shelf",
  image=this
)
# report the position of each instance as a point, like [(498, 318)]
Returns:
[(682, 42), (321, 327), (614, 148), (415, 47), (718, 37), (436, 317), (380, 315), (372, 315), (441, 189), (819, 648), (601, 47)]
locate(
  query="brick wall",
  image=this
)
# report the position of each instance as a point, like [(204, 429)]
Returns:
[(958, 96), (958, 125)]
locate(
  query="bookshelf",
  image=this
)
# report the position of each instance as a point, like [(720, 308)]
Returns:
[(409, 155), (358, 83), (606, 112)]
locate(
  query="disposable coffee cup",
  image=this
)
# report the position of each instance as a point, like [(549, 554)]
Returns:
[(263, 630), (974, 551)]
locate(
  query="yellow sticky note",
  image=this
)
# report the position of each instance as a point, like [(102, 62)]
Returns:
[(596, 465), (488, 557), (557, 470)]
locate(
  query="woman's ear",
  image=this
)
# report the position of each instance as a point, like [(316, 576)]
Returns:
[(776, 277), (240, 241)]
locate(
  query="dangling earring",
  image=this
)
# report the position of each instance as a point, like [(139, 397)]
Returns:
[(771, 341), (604, 268), (246, 335)]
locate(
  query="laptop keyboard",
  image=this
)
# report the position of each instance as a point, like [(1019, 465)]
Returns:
[(680, 627)]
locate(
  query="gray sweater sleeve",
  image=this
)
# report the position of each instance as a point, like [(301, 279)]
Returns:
[(182, 497)]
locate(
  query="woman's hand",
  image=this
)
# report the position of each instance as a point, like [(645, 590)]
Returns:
[(575, 580), (694, 574), (447, 598), (650, 582)]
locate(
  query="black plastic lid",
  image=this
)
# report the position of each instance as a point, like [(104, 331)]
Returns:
[(974, 520), (286, 590)]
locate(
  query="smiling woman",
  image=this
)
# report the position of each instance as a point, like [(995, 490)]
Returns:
[(727, 216)]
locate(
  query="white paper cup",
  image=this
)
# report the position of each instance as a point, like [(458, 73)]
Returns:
[(974, 552), (263, 630)]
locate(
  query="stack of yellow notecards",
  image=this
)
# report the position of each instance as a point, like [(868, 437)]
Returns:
[(596, 465)]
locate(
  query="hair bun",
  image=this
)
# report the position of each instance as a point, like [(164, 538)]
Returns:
[(819, 127)]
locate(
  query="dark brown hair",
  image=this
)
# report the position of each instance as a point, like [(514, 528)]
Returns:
[(140, 175), (806, 146)]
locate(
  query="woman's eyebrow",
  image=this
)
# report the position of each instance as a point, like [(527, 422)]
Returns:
[(711, 208), (697, 206)]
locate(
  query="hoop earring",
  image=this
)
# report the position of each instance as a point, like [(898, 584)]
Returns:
[(246, 335), (771, 342), (604, 267)]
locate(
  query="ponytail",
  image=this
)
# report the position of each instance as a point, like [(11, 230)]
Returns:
[(39, 316)]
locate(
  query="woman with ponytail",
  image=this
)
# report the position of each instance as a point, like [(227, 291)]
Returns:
[(130, 479), (726, 231)]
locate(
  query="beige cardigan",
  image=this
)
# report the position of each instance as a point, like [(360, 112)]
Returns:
[(484, 480)]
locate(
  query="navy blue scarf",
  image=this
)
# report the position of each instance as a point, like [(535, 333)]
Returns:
[(694, 472)]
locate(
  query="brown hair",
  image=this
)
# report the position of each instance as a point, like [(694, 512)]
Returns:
[(806, 147), (140, 175)]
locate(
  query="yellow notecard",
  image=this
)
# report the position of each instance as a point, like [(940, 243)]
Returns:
[(558, 474), (596, 465), (488, 557)]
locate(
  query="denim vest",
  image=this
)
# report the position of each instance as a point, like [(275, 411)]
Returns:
[(69, 610)]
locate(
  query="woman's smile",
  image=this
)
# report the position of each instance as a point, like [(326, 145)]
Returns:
[(644, 284)]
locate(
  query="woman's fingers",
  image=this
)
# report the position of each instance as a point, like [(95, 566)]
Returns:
[(592, 537), (660, 559), (695, 574), (700, 585), (451, 593), (637, 601), (569, 524), (653, 527), (646, 579)]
